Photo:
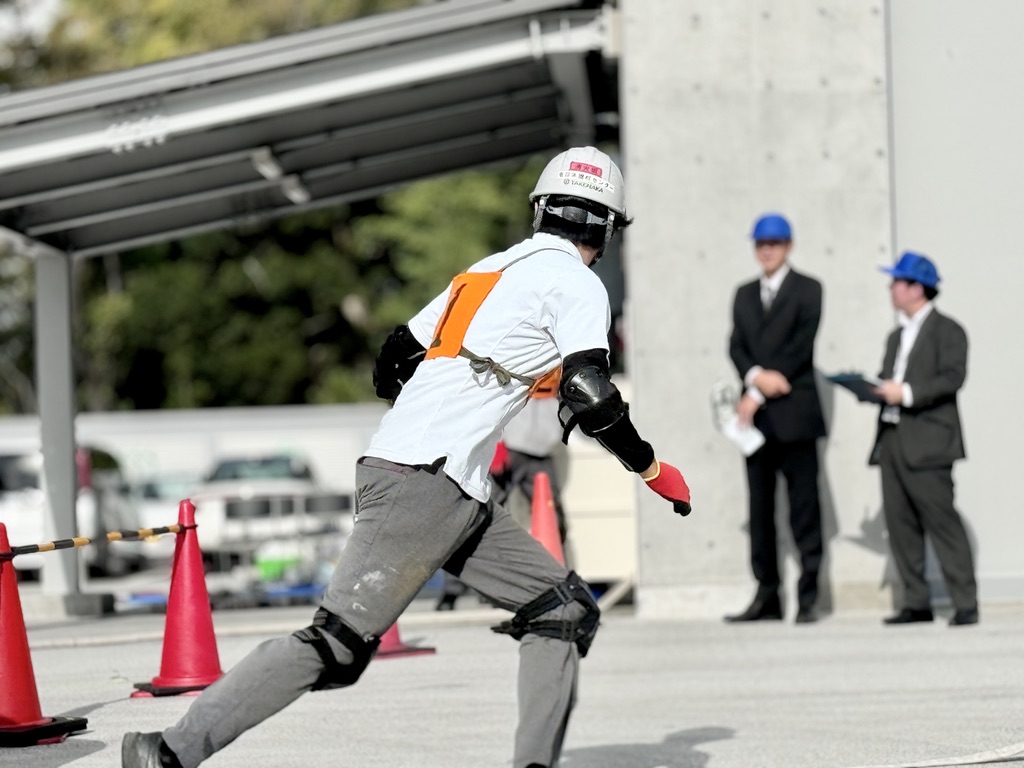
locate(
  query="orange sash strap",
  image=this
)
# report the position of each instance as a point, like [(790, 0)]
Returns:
[(467, 294), (547, 385)]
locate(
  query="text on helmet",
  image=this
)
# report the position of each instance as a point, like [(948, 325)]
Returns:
[(593, 170)]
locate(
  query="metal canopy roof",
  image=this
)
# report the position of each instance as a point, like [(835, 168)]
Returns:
[(259, 131)]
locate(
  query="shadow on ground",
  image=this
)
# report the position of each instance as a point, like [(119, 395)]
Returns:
[(677, 750), (75, 747)]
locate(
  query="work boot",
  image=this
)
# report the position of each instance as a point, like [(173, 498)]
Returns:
[(146, 750)]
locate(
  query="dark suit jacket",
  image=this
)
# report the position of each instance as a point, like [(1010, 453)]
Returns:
[(929, 432), (781, 339)]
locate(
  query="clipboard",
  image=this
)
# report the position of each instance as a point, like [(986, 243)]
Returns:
[(862, 386)]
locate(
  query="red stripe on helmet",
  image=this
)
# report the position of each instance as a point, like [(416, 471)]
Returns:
[(593, 170)]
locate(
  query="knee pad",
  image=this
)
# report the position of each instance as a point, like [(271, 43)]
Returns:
[(580, 630), (336, 674)]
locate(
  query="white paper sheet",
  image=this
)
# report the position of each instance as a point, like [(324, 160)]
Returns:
[(747, 439), (724, 397)]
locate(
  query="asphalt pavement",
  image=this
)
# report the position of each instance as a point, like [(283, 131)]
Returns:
[(846, 692)]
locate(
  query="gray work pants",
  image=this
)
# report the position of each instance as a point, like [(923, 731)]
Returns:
[(410, 521)]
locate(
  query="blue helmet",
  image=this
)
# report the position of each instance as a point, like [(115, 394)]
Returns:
[(772, 226), (915, 267)]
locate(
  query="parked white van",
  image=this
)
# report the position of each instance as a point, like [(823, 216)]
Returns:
[(249, 502)]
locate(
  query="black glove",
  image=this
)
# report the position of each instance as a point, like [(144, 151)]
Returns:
[(396, 363)]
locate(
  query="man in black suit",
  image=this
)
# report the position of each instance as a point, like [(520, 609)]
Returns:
[(919, 438), (775, 320)]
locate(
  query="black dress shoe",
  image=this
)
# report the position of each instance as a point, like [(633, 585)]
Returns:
[(910, 616), (964, 617), (806, 616), (769, 609)]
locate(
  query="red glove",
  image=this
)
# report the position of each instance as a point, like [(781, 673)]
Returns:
[(669, 484)]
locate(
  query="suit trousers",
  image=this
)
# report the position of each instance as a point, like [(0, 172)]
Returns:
[(410, 521), (798, 463), (919, 502)]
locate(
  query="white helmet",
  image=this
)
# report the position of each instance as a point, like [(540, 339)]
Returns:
[(583, 172)]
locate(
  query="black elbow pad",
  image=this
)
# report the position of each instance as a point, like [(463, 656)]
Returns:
[(590, 399), (397, 362)]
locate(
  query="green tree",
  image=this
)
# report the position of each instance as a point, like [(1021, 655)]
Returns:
[(88, 37), (17, 287), (432, 230), (294, 313)]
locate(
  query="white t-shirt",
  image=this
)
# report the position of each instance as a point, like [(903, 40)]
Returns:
[(540, 310)]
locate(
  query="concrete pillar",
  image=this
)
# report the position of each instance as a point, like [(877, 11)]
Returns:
[(55, 385), (732, 108)]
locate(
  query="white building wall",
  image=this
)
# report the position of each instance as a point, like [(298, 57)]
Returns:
[(186, 443), (958, 119), (176, 448)]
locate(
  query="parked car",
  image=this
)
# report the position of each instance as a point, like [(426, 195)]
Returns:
[(157, 500), (247, 502), (104, 503), (273, 467)]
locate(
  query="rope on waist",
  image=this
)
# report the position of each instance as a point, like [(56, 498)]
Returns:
[(501, 373)]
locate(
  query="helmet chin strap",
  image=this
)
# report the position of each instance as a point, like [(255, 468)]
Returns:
[(609, 225), (538, 211), (609, 232)]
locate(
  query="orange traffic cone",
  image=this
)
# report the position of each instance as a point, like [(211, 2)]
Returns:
[(543, 520), (190, 660), (391, 645), (21, 722)]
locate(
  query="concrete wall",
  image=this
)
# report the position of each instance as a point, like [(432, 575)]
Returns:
[(876, 127), (732, 108), (958, 119)]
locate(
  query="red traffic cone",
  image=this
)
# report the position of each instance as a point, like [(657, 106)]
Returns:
[(21, 722), (543, 520), (190, 660), (391, 645)]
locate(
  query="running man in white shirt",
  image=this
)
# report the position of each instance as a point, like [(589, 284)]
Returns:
[(460, 370)]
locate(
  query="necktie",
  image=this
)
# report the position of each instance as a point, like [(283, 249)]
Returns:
[(769, 297), (891, 413)]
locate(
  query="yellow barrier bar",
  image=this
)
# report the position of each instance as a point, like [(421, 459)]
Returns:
[(81, 541)]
